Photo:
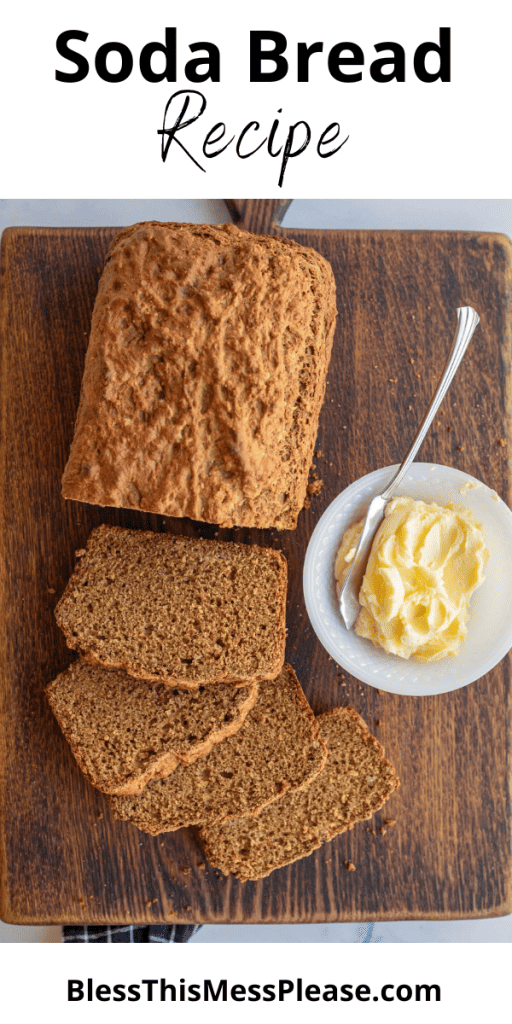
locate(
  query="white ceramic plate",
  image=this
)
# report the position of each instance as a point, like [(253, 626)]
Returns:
[(490, 623)]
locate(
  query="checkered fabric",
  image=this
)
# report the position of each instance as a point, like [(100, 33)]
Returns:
[(129, 933)]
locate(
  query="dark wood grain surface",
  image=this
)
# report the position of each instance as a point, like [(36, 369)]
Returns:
[(63, 858)]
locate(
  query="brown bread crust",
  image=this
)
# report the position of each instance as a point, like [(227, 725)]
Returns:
[(177, 610), (278, 748), (124, 731), (204, 375), (356, 782)]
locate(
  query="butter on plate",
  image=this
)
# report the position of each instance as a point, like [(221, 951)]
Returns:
[(425, 563)]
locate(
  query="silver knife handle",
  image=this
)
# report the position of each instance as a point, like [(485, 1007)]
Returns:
[(467, 320)]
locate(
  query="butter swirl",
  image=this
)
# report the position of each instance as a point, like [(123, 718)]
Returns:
[(425, 563)]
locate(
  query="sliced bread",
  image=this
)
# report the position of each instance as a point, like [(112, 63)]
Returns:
[(278, 748), (177, 610), (356, 781), (124, 731), (204, 376)]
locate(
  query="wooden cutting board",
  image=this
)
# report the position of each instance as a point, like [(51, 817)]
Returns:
[(63, 857)]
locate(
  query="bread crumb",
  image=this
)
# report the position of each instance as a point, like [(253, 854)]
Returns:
[(349, 865), (449, 429), (411, 360), (460, 447), (502, 442), (378, 721), (382, 830), (80, 553), (51, 590), (389, 822), (319, 454), (315, 487)]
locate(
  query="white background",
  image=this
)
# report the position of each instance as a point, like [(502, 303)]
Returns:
[(470, 215), (97, 138), (469, 982)]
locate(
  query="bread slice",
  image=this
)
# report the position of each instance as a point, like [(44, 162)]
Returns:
[(204, 375), (356, 781), (124, 731), (177, 610), (278, 748)]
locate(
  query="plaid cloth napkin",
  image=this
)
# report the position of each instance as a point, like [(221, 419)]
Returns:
[(129, 933)]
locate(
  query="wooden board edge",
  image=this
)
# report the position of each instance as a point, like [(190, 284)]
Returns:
[(5, 251), (8, 917), (261, 216)]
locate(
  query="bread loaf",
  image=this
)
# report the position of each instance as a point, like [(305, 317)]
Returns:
[(204, 375), (177, 610), (124, 731), (278, 748), (356, 781)]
